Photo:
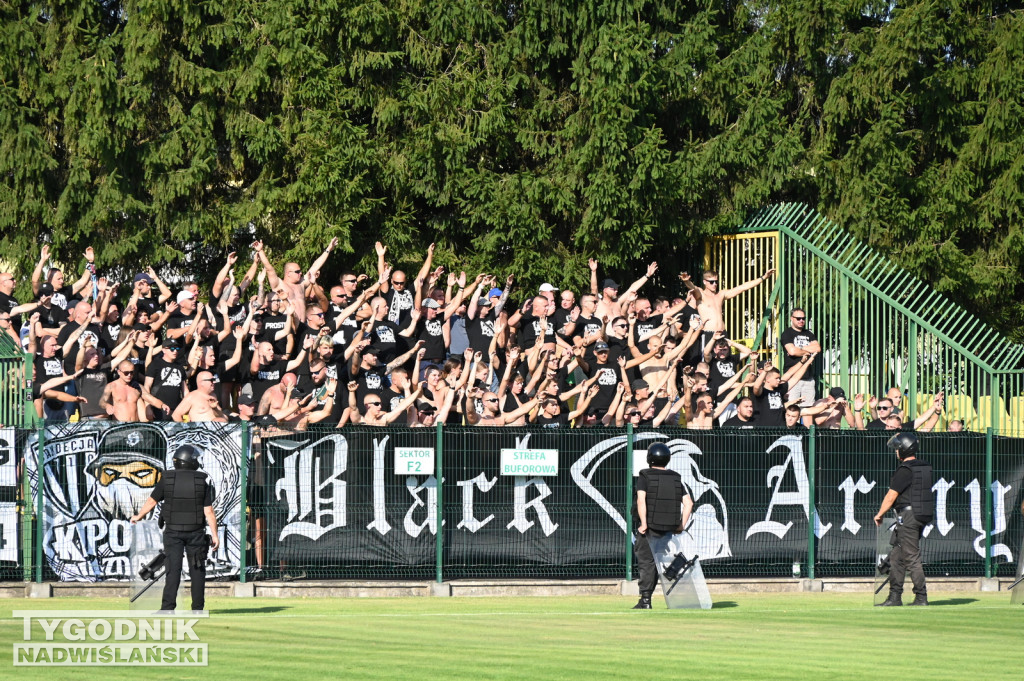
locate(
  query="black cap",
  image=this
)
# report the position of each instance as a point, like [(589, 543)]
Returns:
[(600, 346), (45, 289), (639, 384), (171, 344), (838, 393), (128, 443), (370, 350), (609, 283)]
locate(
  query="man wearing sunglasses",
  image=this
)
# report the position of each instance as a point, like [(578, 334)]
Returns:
[(798, 343), (122, 398), (712, 299)]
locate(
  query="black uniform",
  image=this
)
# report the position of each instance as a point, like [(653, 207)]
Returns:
[(185, 493), (915, 507), (665, 492)]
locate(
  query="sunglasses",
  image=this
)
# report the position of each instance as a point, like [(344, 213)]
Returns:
[(372, 404), (317, 314), (880, 408), (398, 283), (491, 399), (799, 319), (632, 414), (125, 373), (710, 281)]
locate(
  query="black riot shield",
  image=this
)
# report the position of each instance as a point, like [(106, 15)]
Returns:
[(883, 546), (682, 579), (148, 571)]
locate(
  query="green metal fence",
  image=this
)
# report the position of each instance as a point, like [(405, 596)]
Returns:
[(15, 400), (442, 503), (879, 327)]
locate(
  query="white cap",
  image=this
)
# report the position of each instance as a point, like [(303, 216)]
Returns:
[(547, 288), (184, 295)]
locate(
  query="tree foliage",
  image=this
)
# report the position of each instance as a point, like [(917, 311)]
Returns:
[(522, 137)]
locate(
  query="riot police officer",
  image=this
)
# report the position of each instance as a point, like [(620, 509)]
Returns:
[(188, 502), (910, 494), (662, 506)]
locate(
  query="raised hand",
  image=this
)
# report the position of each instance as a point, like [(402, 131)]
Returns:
[(232, 258), (651, 269), (593, 265), (380, 248), (89, 254)]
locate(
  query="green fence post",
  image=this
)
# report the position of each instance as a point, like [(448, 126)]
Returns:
[(629, 502), (910, 384), (988, 502), (30, 409), (811, 501), (26, 523), (41, 435), (243, 524), (844, 338), (439, 475)]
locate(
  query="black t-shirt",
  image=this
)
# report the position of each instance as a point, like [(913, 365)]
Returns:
[(111, 334), (180, 321), (901, 480), (372, 380), (879, 424), (45, 369), (585, 328), (480, 330), (560, 420), (735, 422), (168, 380), (431, 332), (267, 376), (606, 385), (93, 331), (385, 337), (642, 330), (62, 297), (721, 370), (530, 329), (272, 325), (90, 386), (52, 317), (769, 407), (150, 305), (7, 304), (559, 318), (800, 339)]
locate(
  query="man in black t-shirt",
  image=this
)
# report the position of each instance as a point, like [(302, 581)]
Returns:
[(434, 331), (797, 342), (51, 317), (166, 379), (744, 417)]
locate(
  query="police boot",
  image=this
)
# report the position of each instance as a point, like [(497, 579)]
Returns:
[(890, 601), (920, 600), (644, 603)]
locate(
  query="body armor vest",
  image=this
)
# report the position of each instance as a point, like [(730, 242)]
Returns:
[(184, 491), (664, 499), (919, 495)]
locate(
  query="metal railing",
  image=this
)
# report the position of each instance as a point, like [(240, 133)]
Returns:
[(879, 326)]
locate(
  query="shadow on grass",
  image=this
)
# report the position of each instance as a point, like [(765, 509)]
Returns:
[(952, 601), (250, 611), (721, 605)]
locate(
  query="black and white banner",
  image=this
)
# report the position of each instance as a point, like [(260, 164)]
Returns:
[(338, 500), (8, 497), (95, 476)]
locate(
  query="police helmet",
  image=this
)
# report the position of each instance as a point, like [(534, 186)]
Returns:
[(904, 444), (187, 456), (658, 454)]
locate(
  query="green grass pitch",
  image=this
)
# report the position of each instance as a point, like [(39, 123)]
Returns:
[(745, 636)]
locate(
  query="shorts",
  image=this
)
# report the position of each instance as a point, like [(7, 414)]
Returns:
[(804, 390)]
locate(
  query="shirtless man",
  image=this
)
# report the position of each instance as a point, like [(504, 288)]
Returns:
[(492, 414), (201, 404), (711, 299), (610, 304), (293, 282), (123, 399)]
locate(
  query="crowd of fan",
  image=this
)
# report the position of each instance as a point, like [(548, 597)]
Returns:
[(386, 349)]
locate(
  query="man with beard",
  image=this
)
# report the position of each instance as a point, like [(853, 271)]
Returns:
[(127, 466), (188, 502)]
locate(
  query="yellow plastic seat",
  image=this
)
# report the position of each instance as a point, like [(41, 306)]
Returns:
[(961, 407)]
